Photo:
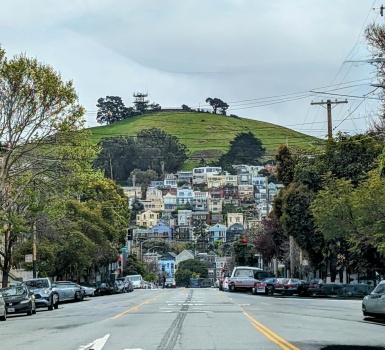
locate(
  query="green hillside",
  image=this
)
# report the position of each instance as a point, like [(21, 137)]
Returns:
[(206, 135)]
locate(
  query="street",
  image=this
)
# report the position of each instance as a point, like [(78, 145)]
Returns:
[(198, 319)]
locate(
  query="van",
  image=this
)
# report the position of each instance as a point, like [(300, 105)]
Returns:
[(137, 281), (244, 277)]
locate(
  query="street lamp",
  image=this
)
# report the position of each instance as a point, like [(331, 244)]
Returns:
[(141, 247)]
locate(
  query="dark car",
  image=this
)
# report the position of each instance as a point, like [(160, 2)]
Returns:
[(296, 286), (357, 290), (19, 299), (279, 286), (265, 286), (44, 291), (104, 288), (315, 286)]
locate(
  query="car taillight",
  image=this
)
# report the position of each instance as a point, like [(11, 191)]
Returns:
[(290, 285), (311, 285)]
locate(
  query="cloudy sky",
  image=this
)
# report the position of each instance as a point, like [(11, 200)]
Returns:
[(267, 59)]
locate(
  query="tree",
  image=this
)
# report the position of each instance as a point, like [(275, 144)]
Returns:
[(159, 151), (133, 266), (142, 177), (201, 233), (40, 119), (350, 157), (244, 149), (216, 104), (187, 268), (111, 110), (286, 165)]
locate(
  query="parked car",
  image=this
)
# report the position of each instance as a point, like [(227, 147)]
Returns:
[(296, 286), (19, 299), (315, 286), (357, 290), (69, 291), (244, 278), (265, 286), (44, 291), (279, 286), (104, 288), (87, 289), (225, 284), (3, 309), (332, 289), (374, 303)]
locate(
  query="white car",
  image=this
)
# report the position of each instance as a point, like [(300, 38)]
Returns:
[(374, 303), (225, 285)]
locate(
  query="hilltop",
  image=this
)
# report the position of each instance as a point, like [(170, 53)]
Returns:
[(206, 135)]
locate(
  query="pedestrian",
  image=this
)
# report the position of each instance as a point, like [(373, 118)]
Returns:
[(164, 281)]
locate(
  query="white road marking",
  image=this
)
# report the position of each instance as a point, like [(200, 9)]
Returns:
[(97, 344)]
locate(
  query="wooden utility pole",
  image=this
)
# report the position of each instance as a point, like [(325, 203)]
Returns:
[(328, 104)]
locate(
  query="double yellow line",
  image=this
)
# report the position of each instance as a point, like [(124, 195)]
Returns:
[(275, 338)]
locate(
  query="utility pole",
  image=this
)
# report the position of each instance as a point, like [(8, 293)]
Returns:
[(329, 110)]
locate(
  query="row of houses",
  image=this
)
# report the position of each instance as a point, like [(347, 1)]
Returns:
[(205, 191)]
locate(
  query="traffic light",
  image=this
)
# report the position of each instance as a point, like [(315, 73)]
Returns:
[(244, 240)]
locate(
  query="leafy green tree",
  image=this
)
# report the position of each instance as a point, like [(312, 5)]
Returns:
[(189, 268), (297, 221), (244, 149), (216, 104), (111, 110), (159, 151), (40, 122), (142, 177), (133, 266), (350, 157), (286, 165)]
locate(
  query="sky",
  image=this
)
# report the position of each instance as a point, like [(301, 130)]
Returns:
[(267, 59)]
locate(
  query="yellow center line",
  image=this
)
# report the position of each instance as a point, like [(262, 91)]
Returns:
[(135, 307), (275, 338)]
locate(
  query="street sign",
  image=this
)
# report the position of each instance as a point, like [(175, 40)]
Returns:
[(28, 257), (124, 249)]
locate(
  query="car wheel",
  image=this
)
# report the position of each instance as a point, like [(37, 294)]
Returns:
[(78, 296), (30, 311), (55, 299), (269, 290), (4, 317)]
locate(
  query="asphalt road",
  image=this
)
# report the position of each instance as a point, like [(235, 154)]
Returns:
[(195, 319)]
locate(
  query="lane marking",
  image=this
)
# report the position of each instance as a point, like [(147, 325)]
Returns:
[(97, 344), (135, 307), (275, 338)]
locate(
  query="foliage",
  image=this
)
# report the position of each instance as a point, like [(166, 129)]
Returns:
[(187, 268), (216, 104), (133, 266), (350, 157), (201, 234), (153, 149), (111, 110), (272, 242), (297, 221), (142, 177), (244, 149), (42, 147), (244, 253), (286, 165)]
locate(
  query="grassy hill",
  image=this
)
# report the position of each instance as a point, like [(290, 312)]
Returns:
[(206, 135)]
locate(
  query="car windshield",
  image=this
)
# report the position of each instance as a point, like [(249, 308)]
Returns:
[(43, 283), (13, 291)]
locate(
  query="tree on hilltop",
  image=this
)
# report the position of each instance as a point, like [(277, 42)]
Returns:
[(111, 110), (216, 104)]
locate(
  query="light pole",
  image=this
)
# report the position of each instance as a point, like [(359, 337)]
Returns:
[(141, 247)]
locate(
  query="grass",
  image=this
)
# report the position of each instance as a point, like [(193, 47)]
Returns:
[(206, 135)]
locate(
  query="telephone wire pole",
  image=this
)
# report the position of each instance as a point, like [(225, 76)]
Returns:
[(328, 104)]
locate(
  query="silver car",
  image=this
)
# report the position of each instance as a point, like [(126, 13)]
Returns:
[(69, 291), (374, 303)]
